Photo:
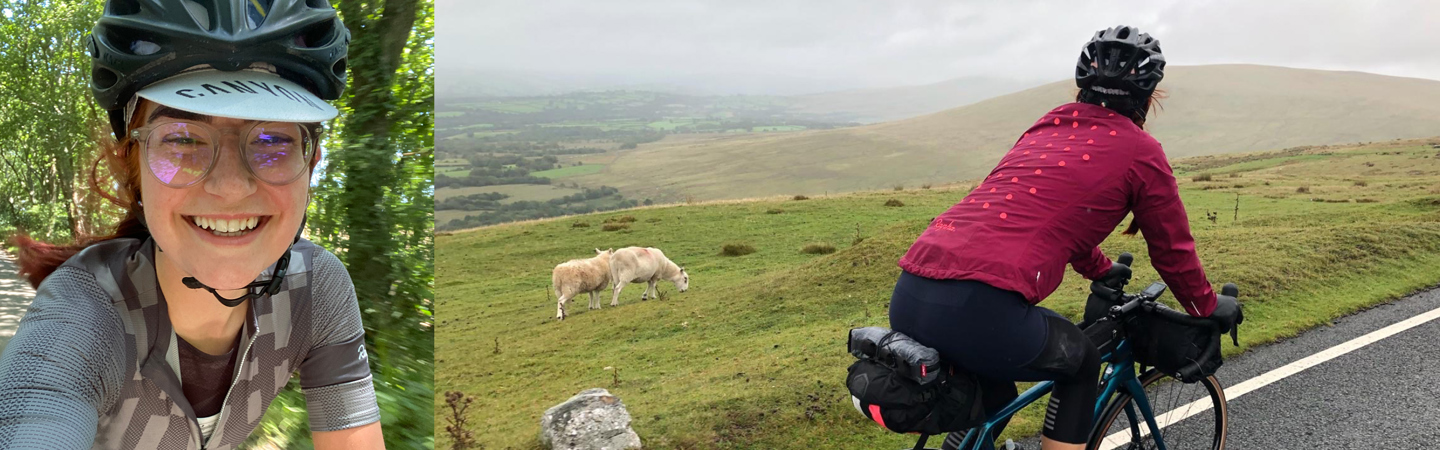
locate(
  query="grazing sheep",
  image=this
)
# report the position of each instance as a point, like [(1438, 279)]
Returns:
[(575, 276), (648, 264)]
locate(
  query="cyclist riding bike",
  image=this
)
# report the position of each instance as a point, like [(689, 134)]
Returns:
[(179, 329), (973, 279)]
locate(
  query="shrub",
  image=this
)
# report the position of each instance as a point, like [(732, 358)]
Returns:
[(774, 211), (736, 249), (818, 248), (925, 186), (1234, 174), (625, 219), (614, 226), (1361, 183), (899, 187), (1202, 177), (894, 202), (1366, 200), (1302, 190), (580, 225), (801, 197)]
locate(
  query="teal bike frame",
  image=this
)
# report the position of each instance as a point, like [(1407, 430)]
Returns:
[(1119, 376)]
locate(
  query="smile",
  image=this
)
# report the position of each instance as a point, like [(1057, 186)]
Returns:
[(227, 227)]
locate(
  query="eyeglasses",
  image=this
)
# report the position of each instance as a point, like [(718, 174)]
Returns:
[(181, 153)]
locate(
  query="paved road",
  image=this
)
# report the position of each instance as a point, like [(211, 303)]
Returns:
[(1384, 395), (15, 297)]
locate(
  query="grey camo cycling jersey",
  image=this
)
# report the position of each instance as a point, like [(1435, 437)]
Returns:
[(95, 362)]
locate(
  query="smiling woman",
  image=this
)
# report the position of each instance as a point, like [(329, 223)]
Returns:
[(181, 326)]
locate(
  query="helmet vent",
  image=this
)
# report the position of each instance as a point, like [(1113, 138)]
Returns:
[(317, 35), (339, 68), (123, 7), (144, 48), (256, 11), (103, 77)]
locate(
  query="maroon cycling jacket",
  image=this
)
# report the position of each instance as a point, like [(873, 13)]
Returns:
[(1062, 189)]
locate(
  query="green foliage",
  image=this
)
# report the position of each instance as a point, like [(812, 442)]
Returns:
[(818, 248), (614, 226), (49, 122), (894, 202)]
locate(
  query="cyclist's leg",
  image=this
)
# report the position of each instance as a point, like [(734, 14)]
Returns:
[(1074, 364)]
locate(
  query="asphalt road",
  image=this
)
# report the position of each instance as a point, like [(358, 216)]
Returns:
[(15, 297), (1384, 395)]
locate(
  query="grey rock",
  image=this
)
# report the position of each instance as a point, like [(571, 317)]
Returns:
[(591, 420)]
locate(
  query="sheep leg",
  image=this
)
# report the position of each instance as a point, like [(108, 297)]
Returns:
[(615, 299), (594, 304), (560, 308)]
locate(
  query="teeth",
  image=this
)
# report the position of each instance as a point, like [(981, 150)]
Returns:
[(227, 225)]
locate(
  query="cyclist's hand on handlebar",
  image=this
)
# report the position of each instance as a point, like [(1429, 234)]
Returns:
[(1227, 309), (1119, 273)]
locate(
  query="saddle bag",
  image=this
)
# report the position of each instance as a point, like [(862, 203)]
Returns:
[(903, 386)]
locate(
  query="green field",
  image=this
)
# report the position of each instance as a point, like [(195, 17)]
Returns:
[(443, 114), (583, 169), (517, 192), (752, 356), (458, 172)]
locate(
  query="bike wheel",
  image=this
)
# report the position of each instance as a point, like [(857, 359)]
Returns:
[(1191, 416)]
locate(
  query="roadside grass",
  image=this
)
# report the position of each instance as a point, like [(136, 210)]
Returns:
[(752, 355)]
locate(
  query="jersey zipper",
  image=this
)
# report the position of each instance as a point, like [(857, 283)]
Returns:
[(225, 405)]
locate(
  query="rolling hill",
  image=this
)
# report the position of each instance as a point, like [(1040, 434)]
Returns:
[(1211, 110), (895, 103)]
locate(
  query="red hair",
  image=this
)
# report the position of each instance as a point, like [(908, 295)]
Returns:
[(39, 259)]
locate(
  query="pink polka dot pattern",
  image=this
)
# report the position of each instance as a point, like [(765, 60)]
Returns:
[(1090, 141), (1014, 179), (1009, 196), (1054, 134), (1027, 152), (1057, 120), (992, 189), (1002, 215), (1112, 132), (1085, 157), (972, 200), (1062, 163), (1075, 114), (1043, 156), (985, 206), (1049, 145), (1032, 191), (1037, 171), (1072, 136), (1032, 142), (1092, 127), (1067, 149), (1075, 125)]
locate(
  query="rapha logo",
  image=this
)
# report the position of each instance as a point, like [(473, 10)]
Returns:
[(363, 356)]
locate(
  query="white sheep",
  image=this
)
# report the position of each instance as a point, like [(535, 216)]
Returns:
[(575, 276), (648, 264)]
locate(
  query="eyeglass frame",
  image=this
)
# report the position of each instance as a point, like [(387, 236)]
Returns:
[(141, 136)]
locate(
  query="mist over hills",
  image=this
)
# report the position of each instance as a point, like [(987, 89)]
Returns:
[(1210, 110)]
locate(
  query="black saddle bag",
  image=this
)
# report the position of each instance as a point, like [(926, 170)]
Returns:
[(904, 387)]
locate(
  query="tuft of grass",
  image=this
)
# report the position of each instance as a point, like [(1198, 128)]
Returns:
[(1203, 177), (818, 248), (580, 225), (736, 249), (1366, 200), (899, 187), (1302, 190), (1361, 183), (774, 211), (894, 202), (614, 226), (925, 186), (801, 197)]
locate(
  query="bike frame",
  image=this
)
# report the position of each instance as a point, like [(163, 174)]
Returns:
[(1119, 375)]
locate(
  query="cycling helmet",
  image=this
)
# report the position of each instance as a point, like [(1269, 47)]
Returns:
[(1120, 61), (139, 42)]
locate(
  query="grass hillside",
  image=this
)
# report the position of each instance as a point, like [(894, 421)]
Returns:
[(1211, 110), (752, 355), (895, 103)]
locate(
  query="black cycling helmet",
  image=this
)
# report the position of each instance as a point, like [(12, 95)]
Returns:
[(139, 42), (1120, 61)]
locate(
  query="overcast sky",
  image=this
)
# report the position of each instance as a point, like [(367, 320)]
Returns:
[(786, 47)]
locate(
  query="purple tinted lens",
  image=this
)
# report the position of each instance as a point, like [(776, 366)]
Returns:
[(179, 153), (276, 152)]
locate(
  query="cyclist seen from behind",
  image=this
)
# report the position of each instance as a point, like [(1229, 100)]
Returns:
[(973, 279), (179, 329)]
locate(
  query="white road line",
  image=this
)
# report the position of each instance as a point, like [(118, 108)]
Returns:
[(1234, 392)]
